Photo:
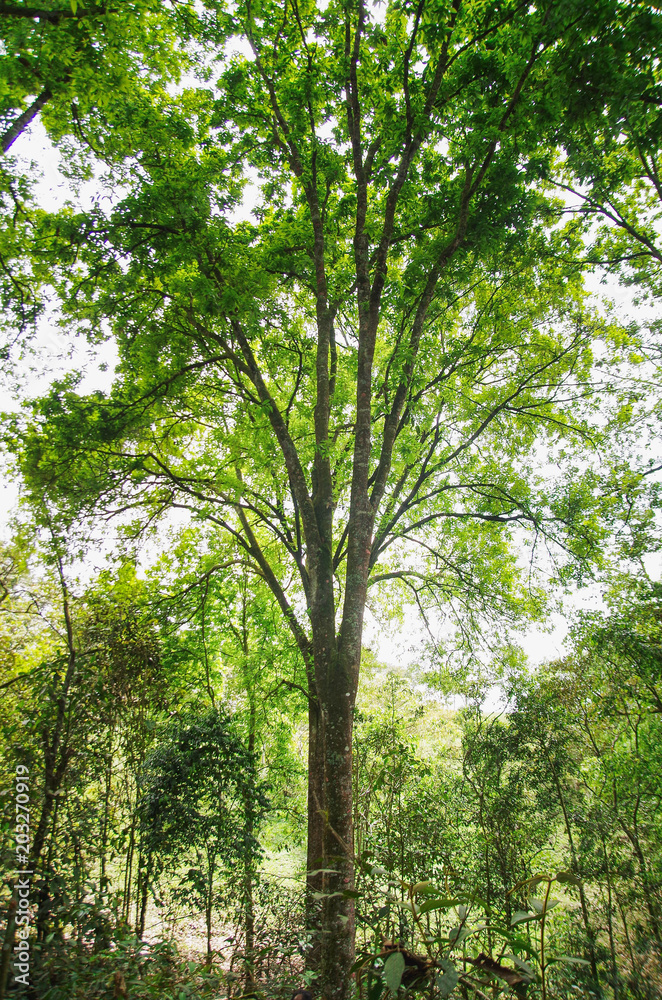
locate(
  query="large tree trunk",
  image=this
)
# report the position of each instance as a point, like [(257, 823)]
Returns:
[(338, 922), (337, 661), (315, 849)]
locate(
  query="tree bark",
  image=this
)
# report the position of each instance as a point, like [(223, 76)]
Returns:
[(146, 874), (636, 974), (315, 848), (23, 120), (128, 872), (249, 863), (209, 909), (8, 942), (337, 952), (108, 779), (610, 921), (633, 837)]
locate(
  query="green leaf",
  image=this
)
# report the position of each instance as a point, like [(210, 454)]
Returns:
[(521, 917), (422, 887), (393, 970), (440, 903), (521, 964), (523, 944), (567, 878), (375, 987), (570, 960), (457, 935), (447, 982), (378, 870)]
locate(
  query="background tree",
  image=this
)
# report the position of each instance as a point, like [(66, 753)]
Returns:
[(69, 655), (591, 723), (202, 804), (71, 66), (222, 615)]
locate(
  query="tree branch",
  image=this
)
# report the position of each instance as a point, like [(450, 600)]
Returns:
[(22, 122)]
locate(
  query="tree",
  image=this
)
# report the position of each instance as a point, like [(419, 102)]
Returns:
[(611, 163), (77, 664), (201, 805), (71, 60), (351, 383), (222, 615), (590, 727), (541, 725)]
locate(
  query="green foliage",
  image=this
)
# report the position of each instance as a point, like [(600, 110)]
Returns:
[(148, 971), (501, 367), (453, 932), (612, 152), (566, 779), (384, 376), (200, 791), (455, 814), (592, 723), (91, 73)]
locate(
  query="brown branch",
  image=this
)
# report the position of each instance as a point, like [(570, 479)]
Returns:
[(22, 122), (13, 680), (599, 208), (392, 422), (38, 14), (294, 687), (274, 584), (287, 446)]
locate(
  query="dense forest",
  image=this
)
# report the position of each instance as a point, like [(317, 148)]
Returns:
[(316, 406)]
